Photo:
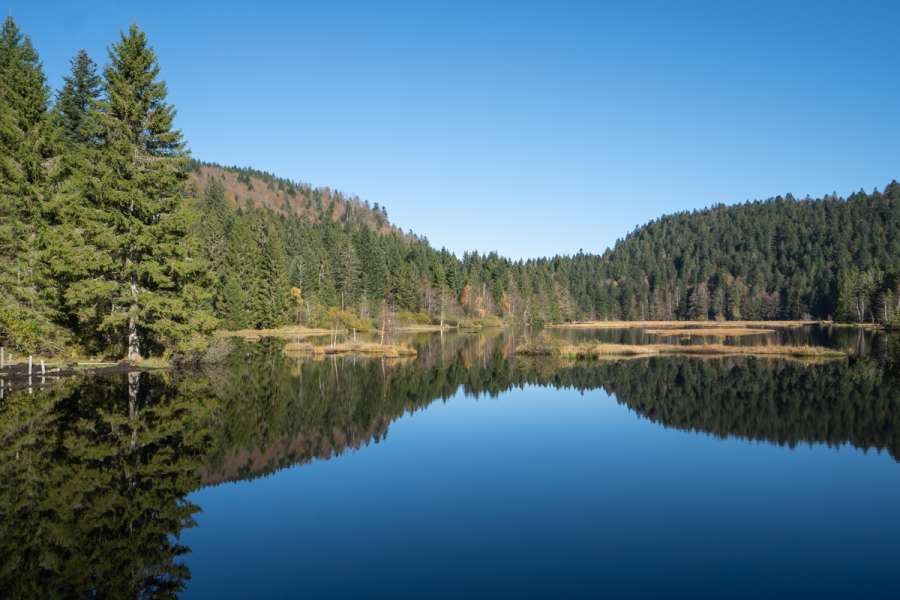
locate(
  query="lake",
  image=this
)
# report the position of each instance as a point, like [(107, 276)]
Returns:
[(464, 472)]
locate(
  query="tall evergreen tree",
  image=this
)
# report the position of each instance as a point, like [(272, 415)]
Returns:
[(24, 145), (143, 286), (270, 286), (78, 97)]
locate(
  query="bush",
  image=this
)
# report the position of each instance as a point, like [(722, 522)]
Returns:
[(26, 331), (347, 320), (405, 317)]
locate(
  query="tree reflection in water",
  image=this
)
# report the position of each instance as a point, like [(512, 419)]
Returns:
[(94, 473)]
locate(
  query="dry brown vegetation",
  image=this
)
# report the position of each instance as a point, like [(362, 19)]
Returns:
[(367, 348), (681, 324), (420, 328), (710, 331), (594, 350), (286, 333), (268, 195)]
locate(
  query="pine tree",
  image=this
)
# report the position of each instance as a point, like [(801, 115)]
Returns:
[(214, 221), (347, 271), (24, 145), (271, 286), (374, 271), (78, 98), (242, 254), (144, 288)]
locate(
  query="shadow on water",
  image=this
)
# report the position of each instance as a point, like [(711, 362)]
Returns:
[(94, 473)]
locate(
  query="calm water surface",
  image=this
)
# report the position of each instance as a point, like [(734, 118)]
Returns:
[(465, 472)]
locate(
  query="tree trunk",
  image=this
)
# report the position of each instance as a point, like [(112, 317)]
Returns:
[(134, 342), (134, 381)]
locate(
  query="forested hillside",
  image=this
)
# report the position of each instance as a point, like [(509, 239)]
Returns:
[(339, 261), (115, 242), (781, 258), (248, 188)]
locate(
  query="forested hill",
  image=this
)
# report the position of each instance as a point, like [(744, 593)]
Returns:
[(249, 188), (780, 258)]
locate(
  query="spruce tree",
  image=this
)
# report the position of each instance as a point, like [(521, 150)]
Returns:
[(78, 97), (271, 286), (143, 291), (242, 258), (24, 145)]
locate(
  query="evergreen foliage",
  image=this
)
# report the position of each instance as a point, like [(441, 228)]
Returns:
[(778, 259), (25, 145), (78, 97)]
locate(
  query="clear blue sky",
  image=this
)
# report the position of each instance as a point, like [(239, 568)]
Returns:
[(529, 128)]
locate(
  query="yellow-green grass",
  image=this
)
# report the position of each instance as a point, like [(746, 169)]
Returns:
[(289, 332), (420, 328), (366, 348)]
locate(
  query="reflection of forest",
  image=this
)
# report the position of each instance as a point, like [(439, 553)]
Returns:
[(288, 412), (93, 479), (94, 473)]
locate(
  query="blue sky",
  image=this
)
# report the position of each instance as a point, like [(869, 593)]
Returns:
[(527, 128)]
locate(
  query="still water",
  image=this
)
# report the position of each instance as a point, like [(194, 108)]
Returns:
[(466, 472)]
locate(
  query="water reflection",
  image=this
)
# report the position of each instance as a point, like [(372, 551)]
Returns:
[(290, 411), (94, 473), (93, 479)]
